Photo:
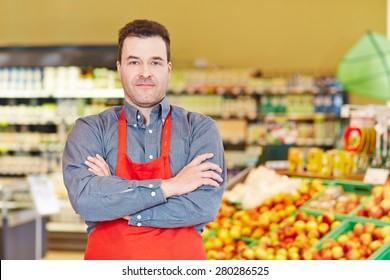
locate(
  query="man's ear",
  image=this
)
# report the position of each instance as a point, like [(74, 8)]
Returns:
[(169, 69), (118, 69)]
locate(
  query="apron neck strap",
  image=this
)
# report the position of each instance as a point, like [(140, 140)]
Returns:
[(166, 137)]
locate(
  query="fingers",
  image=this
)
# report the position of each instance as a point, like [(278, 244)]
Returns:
[(98, 165), (210, 166), (201, 158), (199, 161), (210, 182), (212, 175)]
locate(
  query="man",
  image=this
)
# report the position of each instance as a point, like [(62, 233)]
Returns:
[(168, 163)]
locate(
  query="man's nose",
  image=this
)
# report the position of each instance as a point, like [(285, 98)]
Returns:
[(145, 71)]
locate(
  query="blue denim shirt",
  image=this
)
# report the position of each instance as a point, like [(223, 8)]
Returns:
[(100, 198)]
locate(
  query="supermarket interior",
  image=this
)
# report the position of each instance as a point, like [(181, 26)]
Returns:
[(299, 90)]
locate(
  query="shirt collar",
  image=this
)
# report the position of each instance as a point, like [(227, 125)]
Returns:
[(133, 116)]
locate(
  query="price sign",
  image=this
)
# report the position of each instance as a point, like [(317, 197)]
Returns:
[(44, 197), (376, 176)]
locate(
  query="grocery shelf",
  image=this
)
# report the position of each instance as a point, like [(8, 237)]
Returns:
[(356, 177)]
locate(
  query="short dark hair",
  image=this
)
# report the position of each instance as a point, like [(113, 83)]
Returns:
[(143, 28)]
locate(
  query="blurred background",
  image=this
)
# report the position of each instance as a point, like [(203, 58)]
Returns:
[(266, 71)]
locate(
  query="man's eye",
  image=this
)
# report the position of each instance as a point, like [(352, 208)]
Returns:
[(133, 62), (156, 62)]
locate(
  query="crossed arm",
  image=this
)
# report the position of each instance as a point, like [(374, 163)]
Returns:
[(194, 175)]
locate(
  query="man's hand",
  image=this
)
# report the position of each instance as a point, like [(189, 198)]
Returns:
[(194, 175), (98, 165)]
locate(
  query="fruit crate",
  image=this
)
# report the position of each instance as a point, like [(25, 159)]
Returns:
[(354, 187), (361, 219), (293, 234), (382, 254), (348, 225), (376, 206)]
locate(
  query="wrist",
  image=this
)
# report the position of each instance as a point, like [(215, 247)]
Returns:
[(167, 188)]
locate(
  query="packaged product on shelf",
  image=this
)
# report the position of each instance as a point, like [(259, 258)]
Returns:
[(260, 184)]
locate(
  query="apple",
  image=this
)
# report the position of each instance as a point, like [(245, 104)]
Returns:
[(348, 246), (260, 253), (246, 231), (326, 254), (385, 205), (353, 254), (248, 254), (358, 228), (313, 233), (211, 254), (351, 235), (301, 239), (289, 231), (376, 212), (280, 257), (377, 194), (264, 220), (375, 245), (257, 233), (365, 238), (290, 208), (342, 238), (307, 255), (235, 231), (301, 215), (337, 252), (369, 203), (323, 228), (335, 224), (328, 218), (289, 220), (377, 233), (313, 241), (386, 192), (299, 225), (369, 227), (265, 241), (311, 225), (293, 256), (385, 232), (362, 212), (221, 255), (328, 243)]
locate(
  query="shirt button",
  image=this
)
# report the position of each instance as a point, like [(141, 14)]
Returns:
[(138, 224), (150, 156), (153, 193), (139, 217), (135, 125), (150, 131), (150, 186), (138, 117), (163, 120)]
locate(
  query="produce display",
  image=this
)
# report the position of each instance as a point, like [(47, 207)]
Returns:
[(353, 241), (279, 227), (335, 199), (378, 205)]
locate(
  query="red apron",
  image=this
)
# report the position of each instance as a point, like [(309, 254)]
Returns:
[(118, 240)]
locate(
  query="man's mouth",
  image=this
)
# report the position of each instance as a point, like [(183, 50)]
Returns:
[(144, 84)]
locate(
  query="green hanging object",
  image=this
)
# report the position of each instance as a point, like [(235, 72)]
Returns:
[(365, 69)]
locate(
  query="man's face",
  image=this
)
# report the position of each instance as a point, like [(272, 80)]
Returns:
[(144, 70)]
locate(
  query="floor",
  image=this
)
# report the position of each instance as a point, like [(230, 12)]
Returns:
[(63, 255)]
